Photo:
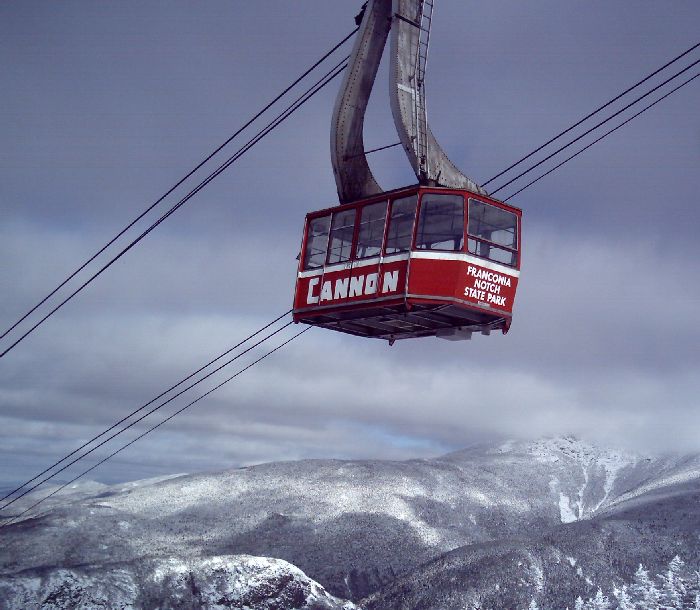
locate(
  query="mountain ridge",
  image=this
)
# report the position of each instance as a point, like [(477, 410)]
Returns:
[(361, 528)]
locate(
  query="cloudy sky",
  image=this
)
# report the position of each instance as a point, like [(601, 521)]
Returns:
[(106, 105)]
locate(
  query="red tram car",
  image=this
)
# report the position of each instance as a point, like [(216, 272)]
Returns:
[(415, 262)]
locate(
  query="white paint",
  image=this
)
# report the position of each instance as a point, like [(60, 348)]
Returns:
[(341, 288), (356, 285), (371, 283), (467, 258), (310, 297), (391, 282)]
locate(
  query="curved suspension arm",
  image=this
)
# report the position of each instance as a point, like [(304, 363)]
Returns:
[(353, 176), (410, 37), (409, 21)]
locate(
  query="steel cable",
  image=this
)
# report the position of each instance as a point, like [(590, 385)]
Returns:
[(606, 134), (290, 109), (181, 181), (136, 421), (596, 126), (15, 518), (293, 107), (591, 114), (150, 402)]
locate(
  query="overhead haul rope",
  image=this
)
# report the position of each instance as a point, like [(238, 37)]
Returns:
[(320, 84), (300, 101), (591, 114), (152, 428), (150, 402), (156, 203), (247, 124), (285, 114), (141, 418), (63, 486), (606, 134), (596, 126)]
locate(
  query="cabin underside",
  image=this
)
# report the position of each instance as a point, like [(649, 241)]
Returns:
[(407, 320)]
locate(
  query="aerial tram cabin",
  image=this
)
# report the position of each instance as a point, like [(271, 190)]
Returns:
[(440, 258), (416, 262)]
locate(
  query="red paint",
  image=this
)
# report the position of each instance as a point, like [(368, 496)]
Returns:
[(414, 293)]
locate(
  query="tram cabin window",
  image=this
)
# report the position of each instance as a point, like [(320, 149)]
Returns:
[(371, 234), (317, 242), (441, 222), (342, 232), (493, 233), (401, 221)]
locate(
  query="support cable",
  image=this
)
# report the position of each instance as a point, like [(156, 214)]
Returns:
[(596, 111), (373, 150), (606, 134), (180, 182), (144, 416), (585, 133), (273, 124), (300, 101), (151, 429), (141, 408)]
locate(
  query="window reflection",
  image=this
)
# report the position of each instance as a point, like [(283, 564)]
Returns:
[(493, 232), (317, 242), (342, 231), (369, 241), (441, 222), (401, 220)]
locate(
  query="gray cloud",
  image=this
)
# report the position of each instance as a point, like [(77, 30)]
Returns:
[(105, 106)]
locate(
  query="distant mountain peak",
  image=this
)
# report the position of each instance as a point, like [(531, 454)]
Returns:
[(568, 446), (356, 526)]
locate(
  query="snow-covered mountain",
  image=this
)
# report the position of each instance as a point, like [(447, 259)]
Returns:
[(234, 581), (493, 525)]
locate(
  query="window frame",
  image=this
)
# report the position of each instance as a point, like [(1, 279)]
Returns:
[(469, 236), (353, 239), (387, 222), (307, 237), (465, 220), (358, 225)]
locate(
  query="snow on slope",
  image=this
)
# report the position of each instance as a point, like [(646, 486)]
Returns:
[(599, 468), (352, 526), (215, 583)]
